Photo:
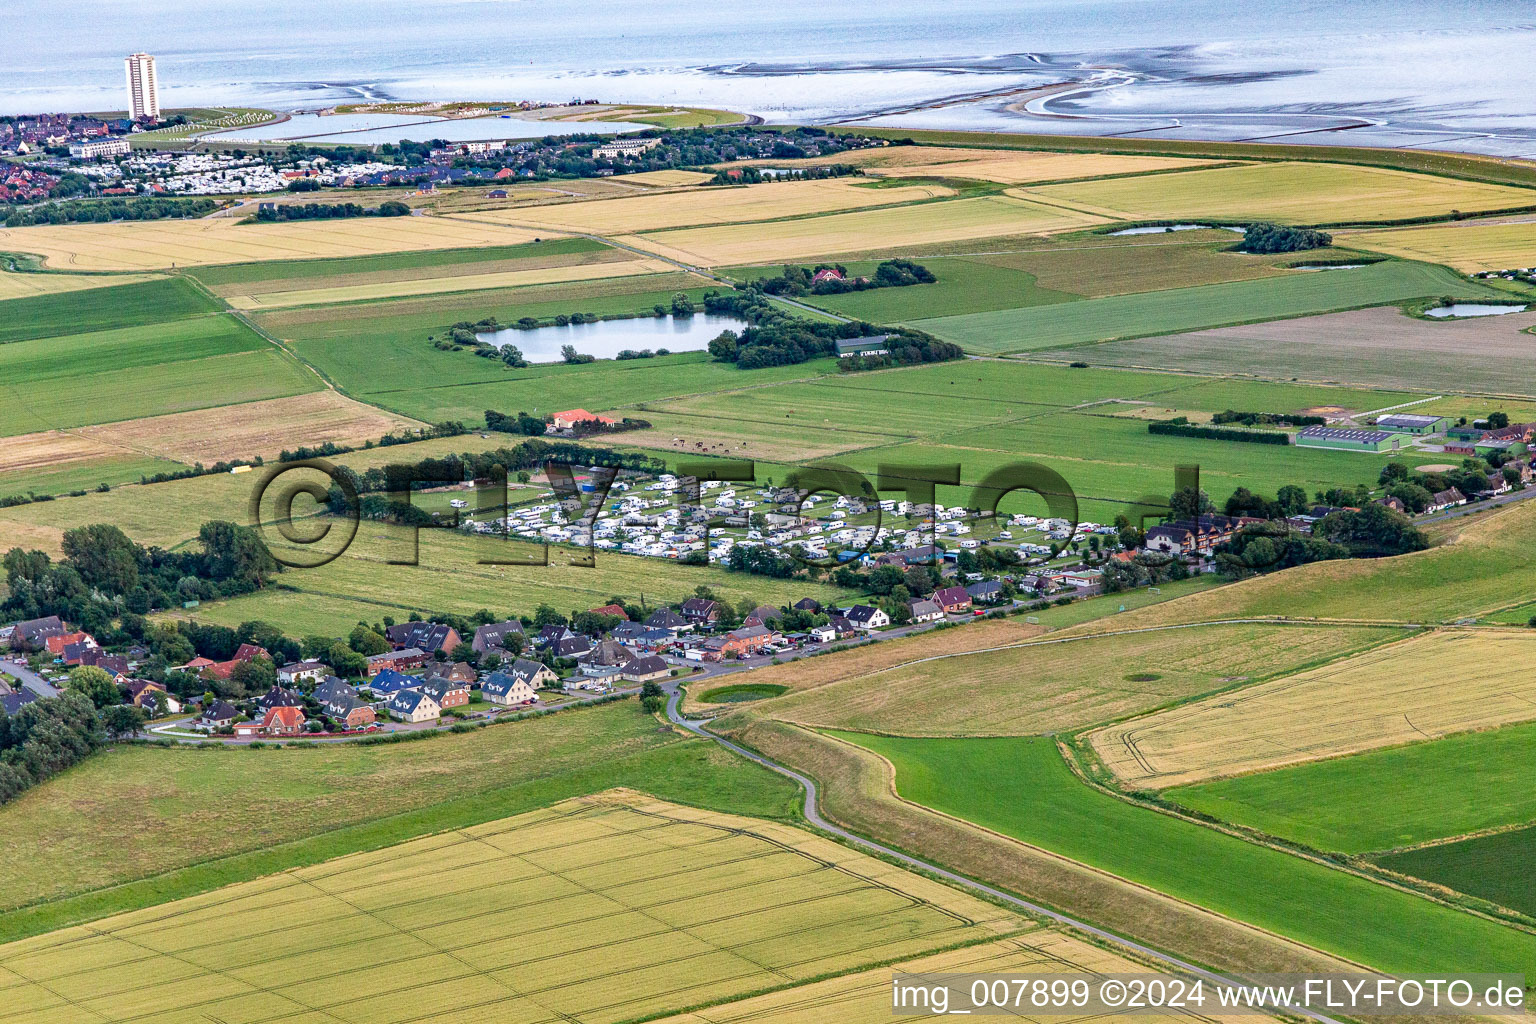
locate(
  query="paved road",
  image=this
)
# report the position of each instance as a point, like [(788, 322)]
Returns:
[(813, 815), (1478, 506), (31, 680)]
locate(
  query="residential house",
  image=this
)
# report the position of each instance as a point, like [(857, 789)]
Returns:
[(701, 611), (666, 618), (350, 713), (217, 715), (952, 599), (333, 689), (824, 634), (280, 697), (408, 658), (1392, 503), (616, 610), (536, 673), (14, 702), (807, 604), (447, 693), (453, 671), (629, 632), (55, 643), (866, 618), (553, 634), (762, 615), (493, 636), (573, 646), (924, 610), (605, 659), (414, 706), (985, 592), (747, 640), (32, 634), (114, 665), (275, 722), (1445, 499), (389, 682), (1195, 536), (423, 636), (1497, 485), (507, 689), (842, 626), (570, 419), (645, 670), (301, 672), (146, 693)]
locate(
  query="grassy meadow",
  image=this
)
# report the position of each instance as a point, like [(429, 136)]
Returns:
[(1190, 309), (1022, 788), (1494, 867), (1401, 796), (103, 307)]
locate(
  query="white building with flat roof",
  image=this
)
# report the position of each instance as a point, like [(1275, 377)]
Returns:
[(143, 88)]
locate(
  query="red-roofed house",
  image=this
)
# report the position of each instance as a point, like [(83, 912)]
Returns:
[(572, 417), (276, 722)]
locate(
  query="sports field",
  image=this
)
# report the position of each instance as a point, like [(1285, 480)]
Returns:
[(1022, 788), (1289, 193), (506, 921), (1384, 799), (161, 244), (1190, 309), (895, 229), (1396, 694), (1042, 686), (1467, 247), (725, 205)]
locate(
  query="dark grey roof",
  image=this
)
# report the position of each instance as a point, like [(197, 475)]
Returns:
[(14, 702), (494, 634), (406, 701), (646, 666), (665, 618), (860, 613)]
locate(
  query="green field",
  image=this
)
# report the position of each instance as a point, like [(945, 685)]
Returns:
[(1192, 309), (964, 285), (140, 825), (1495, 867), (1022, 788), (84, 475), (128, 372), (1402, 796), (100, 309), (320, 269)]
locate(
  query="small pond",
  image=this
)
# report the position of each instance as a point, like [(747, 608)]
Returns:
[(1329, 266), (1158, 229), (1466, 309), (605, 339)]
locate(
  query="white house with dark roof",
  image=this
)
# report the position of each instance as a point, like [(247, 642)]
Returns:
[(414, 706)]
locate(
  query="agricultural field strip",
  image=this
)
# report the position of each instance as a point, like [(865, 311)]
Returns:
[(1469, 247), (445, 285), (696, 845), (1381, 698), (751, 204), (994, 694)]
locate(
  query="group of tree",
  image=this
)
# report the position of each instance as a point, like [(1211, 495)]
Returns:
[(103, 574), (1273, 238), (269, 212), (774, 337), (751, 175), (101, 211), (796, 281), (1180, 426), (44, 738), (1267, 419)]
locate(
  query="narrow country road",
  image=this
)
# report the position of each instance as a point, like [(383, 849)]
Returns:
[(813, 815), (31, 680)]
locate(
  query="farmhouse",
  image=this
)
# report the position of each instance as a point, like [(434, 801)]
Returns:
[(413, 706), (869, 345), (32, 634), (1351, 440), (571, 418), (1407, 423), (1445, 499)]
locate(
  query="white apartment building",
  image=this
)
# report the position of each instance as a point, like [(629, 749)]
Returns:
[(143, 89)]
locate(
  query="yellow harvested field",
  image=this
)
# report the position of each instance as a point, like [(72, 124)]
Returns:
[(865, 231), (254, 428), (157, 245), (50, 449), (735, 205), (865, 997), (1428, 686), (1293, 193), (665, 179), (1467, 247), (1049, 686), (595, 910), (24, 285), (1008, 167), (443, 285)]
